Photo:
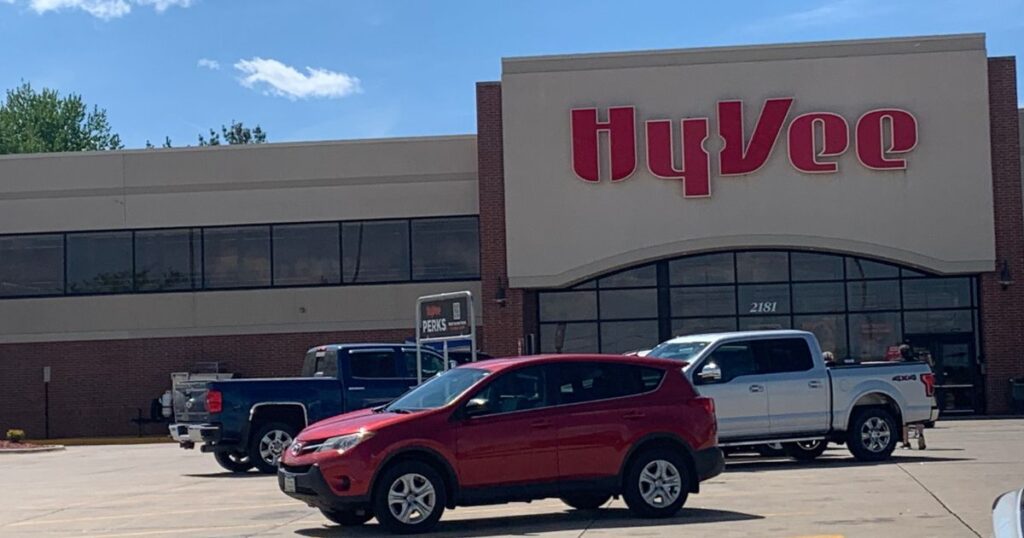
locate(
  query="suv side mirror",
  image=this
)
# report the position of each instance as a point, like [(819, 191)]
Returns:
[(476, 406), (710, 372)]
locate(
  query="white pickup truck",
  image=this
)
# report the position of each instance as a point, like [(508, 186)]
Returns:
[(774, 387)]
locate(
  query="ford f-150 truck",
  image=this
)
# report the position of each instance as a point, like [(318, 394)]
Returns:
[(248, 422), (774, 387)]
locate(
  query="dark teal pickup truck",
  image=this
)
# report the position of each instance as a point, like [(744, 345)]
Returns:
[(246, 423)]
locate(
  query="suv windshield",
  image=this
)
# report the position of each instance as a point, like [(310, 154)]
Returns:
[(439, 391), (682, 351)]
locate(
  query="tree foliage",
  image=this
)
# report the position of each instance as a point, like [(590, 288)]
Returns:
[(45, 121), (237, 134)]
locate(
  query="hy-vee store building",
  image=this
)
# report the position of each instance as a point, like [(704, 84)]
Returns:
[(868, 191)]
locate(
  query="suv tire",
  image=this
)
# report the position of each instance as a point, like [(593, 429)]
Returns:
[(347, 518), (586, 501), (656, 483), (267, 444), (236, 462), (872, 435), (805, 450), (409, 497)]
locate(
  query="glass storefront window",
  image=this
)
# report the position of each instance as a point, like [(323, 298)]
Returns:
[(624, 304), (937, 322), (768, 266), (99, 262), (936, 293), (623, 336), (764, 323), (375, 251), (568, 337), (704, 301), (762, 299), (872, 334), (683, 327), (859, 268), (812, 266), (236, 257), (568, 306), (165, 260), (829, 329), (634, 278), (818, 297), (31, 265), (306, 254), (445, 249), (873, 295), (702, 269)]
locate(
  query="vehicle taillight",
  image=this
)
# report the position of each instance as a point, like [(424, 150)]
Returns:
[(706, 404), (214, 401), (929, 384)]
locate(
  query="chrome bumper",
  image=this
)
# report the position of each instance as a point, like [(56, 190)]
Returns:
[(189, 434)]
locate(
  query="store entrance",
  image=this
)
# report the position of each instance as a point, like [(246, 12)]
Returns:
[(958, 381)]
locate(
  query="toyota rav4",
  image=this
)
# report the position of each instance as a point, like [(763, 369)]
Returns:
[(583, 428)]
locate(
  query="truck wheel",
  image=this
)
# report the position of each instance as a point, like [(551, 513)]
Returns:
[(872, 435), (806, 450), (409, 498), (266, 446), (656, 483), (586, 501), (236, 462), (347, 518)]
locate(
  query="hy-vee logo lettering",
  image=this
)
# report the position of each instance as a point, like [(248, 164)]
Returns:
[(911, 377), (814, 141)]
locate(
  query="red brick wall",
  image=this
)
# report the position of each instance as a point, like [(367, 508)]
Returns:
[(503, 323), (97, 385), (1002, 311)]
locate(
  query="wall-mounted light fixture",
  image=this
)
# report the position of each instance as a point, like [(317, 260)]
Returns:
[(501, 296), (1005, 277)]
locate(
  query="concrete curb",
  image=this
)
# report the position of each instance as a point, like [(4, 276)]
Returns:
[(33, 450)]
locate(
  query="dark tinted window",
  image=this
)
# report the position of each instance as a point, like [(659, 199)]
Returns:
[(820, 297), (810, 266), (624, 336), (518, 390), (873, 295), (704, 301), (830, 329), (568, 338), (236, 257), (683, 327), (762, 267), (99, 262), (621, 304), (320, 363), (31, 265), (589, 381), (857, 268), (764, 299), (372, 363), (306, 254), (735, 359), (634, 278), (936, 293), (706, 269), (873, 333), (445, 249), (432, 363), (568, 306), (164, 260), (784, 355), (375, 251)]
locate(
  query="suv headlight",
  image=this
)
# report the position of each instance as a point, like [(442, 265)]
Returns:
[(344, 443)]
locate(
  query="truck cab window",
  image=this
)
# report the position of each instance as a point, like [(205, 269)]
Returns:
[(372, 364), (433, 364), (735, 359), (785, 355)]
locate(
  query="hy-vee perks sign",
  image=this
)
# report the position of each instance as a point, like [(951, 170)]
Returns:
[(881, 138)]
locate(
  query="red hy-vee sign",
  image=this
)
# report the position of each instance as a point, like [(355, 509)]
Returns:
[(879, 137)]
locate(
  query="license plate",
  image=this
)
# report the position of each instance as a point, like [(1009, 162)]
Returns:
[(289, 484)]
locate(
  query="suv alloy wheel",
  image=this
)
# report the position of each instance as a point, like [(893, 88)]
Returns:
[(656, 483), (409, 497)]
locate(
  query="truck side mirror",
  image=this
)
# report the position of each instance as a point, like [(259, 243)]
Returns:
[(476, 407), (710, 372)]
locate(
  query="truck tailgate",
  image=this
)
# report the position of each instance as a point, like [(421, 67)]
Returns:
[(901, 380), (189, 401)]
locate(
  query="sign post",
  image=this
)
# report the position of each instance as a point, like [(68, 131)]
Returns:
[(441, 318)]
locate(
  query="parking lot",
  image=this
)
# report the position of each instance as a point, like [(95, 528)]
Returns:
[(160, 490)]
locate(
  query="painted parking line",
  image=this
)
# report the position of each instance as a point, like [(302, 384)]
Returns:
[(201, 530), (150, 514)]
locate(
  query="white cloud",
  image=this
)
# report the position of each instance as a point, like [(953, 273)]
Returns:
[(285, 81), (102, 9), (212, 65)]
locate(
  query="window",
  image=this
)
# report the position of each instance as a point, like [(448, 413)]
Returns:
[(857, 268), (823, 297), (734, 359), (306, 254), (519, 390), (624, 304), (164, 260), (683, 351), (445, 249), (568, 306), (810, 266), (236, 257), (764, 323), (683, 327), (704, 301), (634, 278), (936, 293), (432, 363), (762, 266), (568, 337), (320, 363), (938, 321), (764, 299), (830, 329), (872, 334), (873, 295), (624, 336), (375, 363), (31, 265), (784, 355), (590, 381), (376, 251), (99, 262), (706, 269)]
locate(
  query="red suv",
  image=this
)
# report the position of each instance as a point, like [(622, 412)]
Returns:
[(582, 428)]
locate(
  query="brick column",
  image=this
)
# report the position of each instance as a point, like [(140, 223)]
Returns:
[(503, 322), (1002, 311)]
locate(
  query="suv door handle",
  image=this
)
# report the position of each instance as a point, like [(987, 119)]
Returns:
[(540, 424), (814, 384), (757, 388), (356, 388), (634, 415)]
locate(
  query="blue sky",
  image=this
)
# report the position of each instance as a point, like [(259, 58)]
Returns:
[(321, 69)]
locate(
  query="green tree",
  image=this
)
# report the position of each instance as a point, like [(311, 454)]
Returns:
[(234, 135), (45, 121)]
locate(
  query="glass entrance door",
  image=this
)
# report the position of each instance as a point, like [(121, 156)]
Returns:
[(958, 387)]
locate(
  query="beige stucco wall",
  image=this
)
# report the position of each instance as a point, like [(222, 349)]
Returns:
[(936, 215), (231, 185)]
